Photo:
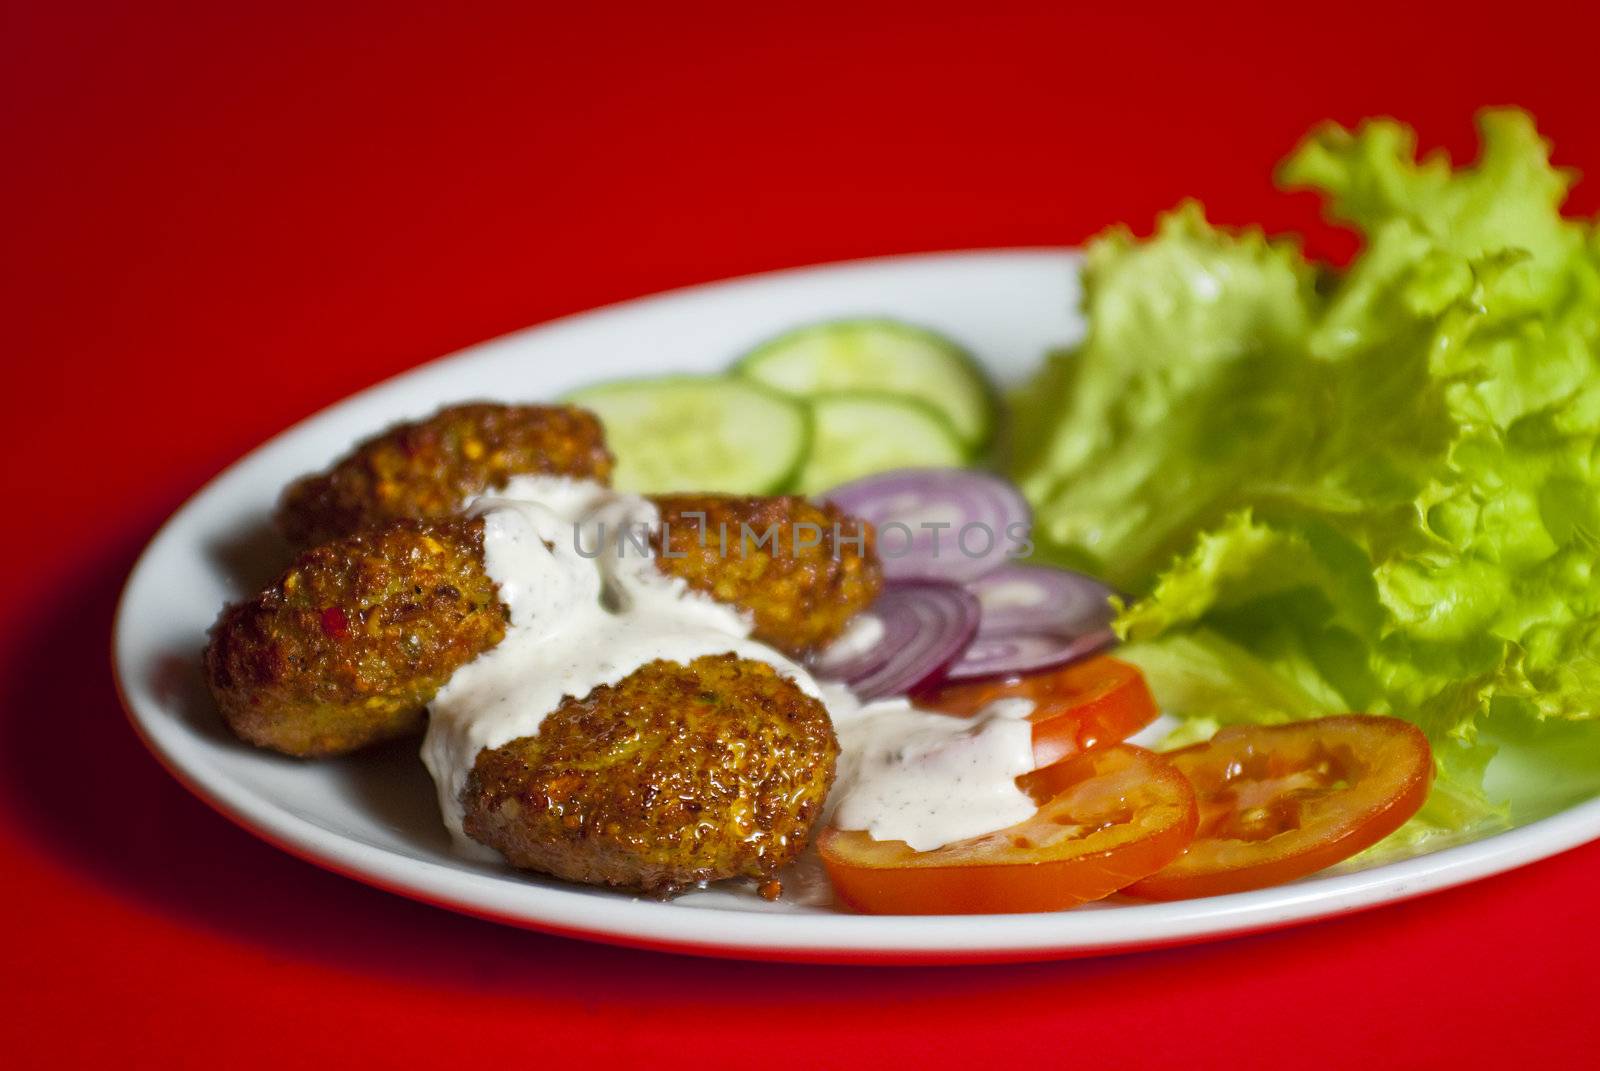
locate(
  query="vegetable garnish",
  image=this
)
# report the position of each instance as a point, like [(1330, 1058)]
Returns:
[(884, 357), (1021, 599), (1279, 802), (1372, 489), (1035, 618), (810, 408), (855, 434), (1106, 818), (961, 526), (1075, 708), (700, 433), (954, 525), (925, 627), (1024, 652)]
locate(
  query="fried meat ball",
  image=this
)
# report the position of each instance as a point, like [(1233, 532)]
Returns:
[(795, 566), (350, 643), (426, 469), (673, 776)]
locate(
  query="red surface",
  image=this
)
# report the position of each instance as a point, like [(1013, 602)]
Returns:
[(218, 221)]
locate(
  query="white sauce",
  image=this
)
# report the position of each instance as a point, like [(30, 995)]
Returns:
[(579, 620), (929, 779), (863, 633)]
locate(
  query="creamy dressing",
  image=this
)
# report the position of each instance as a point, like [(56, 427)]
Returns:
[(864, 632), (929, 779), (588, 606)]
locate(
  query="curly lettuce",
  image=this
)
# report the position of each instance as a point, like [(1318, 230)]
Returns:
[(1371, 489)]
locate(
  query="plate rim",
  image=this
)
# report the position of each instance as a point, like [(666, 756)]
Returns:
[(836, 937)]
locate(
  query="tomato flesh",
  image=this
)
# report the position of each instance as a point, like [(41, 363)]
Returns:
[(1107, 817), (1077, 707), (1278, 802)]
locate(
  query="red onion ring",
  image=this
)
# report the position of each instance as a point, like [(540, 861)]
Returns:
[(951, 525), (1025, 652), (926, 627), (1036, 598)]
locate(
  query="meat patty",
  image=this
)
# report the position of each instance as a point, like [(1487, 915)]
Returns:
[(351, 642), (677, 774), (426, 469), (801, 570)]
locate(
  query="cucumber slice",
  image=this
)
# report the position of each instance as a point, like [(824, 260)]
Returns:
[(882, 356), (857, 433), (699, 433)]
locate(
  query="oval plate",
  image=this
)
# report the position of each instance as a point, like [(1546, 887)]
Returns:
[(373, 816)]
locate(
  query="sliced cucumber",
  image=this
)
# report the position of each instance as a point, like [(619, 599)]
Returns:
[(699, 433), (857, 433), (880, 355)]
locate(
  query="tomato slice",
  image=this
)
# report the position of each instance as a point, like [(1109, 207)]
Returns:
[(1077, 707), (1278, 802), (1107, 817)]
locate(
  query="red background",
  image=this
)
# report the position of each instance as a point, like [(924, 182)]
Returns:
[(219, 220)]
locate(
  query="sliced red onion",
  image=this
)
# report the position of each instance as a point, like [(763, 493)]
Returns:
[(1035, 598), (953, 525), (1025, 652), (926, 627)]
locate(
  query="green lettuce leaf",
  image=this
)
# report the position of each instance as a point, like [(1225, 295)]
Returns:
[(1196, 317), (1375, 489)]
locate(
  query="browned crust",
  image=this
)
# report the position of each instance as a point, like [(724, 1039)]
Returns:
[(425, 469), (800, 597), (673, 776), (351, 642)]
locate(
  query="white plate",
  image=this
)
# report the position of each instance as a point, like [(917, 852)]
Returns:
[(373, 817)]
